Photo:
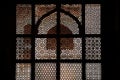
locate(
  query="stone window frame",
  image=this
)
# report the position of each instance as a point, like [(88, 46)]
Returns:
[(58, 36)]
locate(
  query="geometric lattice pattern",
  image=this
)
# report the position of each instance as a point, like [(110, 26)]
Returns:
[(70, 71), (69, 23), (47, 23), (23, 48), (70, 48), (40, 10), (23, 71), (93, 48), (92, 18), (23, 19), (93, 71), (75, 53), (74, 9), (41, 52), (45, 71)]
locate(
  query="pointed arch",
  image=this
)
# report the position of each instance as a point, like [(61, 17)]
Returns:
[(55, 10)]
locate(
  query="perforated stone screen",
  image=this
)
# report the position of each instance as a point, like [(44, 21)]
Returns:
[(23, 71), (92, 19), (93, 71), (45, 71), (23, 18), (93, 48), (23, 48), (58, 41), (70, 71)]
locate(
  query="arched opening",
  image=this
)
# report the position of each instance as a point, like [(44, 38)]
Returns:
[(74, 20), (65, 43)]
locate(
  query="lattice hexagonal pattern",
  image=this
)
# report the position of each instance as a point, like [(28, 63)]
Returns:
[(23, 71), (69, 23), (47, 23), (92, 18), (74, 9), (41, 51), (23, 19), (93, 71), (23, 48), (45, 71), (93, 48), (70, 71), (75, 53), (41, 10)]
